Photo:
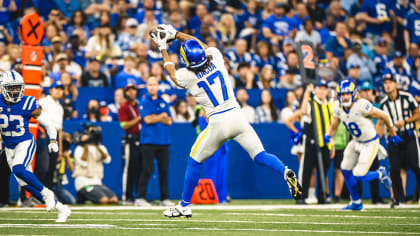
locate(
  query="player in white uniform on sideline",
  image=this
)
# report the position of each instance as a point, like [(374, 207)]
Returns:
[(15, 112), (207, 80), (356, 115)]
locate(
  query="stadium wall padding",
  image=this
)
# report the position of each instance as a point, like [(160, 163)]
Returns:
[(246, 180)]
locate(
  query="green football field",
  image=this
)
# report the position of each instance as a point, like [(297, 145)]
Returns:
[(238, 218)]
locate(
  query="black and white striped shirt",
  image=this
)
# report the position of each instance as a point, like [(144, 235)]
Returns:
[(400, 109)]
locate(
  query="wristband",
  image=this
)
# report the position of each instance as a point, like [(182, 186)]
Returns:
[(168, 63), (53, 141)]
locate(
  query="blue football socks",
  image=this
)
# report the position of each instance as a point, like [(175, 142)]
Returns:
[(266, 159), (351, 183), (192, 175), (27, 176)]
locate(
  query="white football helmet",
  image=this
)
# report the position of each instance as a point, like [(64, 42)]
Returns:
[(12, 86)]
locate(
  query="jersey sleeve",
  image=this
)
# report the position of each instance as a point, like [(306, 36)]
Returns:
[(364, 6), (215, 53), (365, 107), (30, 104), (336, 110), (180, 76)]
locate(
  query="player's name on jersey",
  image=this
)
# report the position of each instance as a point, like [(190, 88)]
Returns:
[(211, 68)]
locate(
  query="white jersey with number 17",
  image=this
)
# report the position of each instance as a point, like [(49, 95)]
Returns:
[(211, 88)]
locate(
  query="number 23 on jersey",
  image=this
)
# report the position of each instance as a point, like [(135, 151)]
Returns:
[(5, 122)]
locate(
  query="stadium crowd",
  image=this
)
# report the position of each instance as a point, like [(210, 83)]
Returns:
[(106, 43)]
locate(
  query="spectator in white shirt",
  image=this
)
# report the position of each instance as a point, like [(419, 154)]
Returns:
[(288, 109), (52, 108), (309, 34), (248, 111)]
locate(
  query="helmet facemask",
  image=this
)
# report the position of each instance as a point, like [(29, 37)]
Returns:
[(348, 103), (12, 92)]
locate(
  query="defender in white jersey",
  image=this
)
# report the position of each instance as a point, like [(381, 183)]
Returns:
[(356, 115), (207, 80)]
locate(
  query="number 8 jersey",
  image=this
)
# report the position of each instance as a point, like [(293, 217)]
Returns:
[(211, 88), (14, 120), (356, 120)]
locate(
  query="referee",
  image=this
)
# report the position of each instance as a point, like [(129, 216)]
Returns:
[(404, 112)]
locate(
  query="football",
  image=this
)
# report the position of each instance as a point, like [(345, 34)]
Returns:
[(162, 33)]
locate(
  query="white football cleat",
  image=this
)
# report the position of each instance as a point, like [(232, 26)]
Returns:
[(178, 211), (49, 199), (63, 213)]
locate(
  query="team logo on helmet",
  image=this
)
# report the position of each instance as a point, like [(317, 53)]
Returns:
[(346, 86)]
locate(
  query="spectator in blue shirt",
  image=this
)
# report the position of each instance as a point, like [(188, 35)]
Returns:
[(195, 21), (378, 16), (367, 67), (128, 38), (401, 9), (77, 22), (277, 26), (154, 142), (413, 52), (239, 54), (300, 16), (411, 26), (380, 59), (338, 44), (127, 76), (354, 74), (6, 8), (146, 6), (67, 7), (264, 55), (78, 52), (400, 71)]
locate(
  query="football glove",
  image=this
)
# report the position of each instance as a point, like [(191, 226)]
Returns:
[(53, 146), (395, 139), (327, 139), (160, 40), (296, 138), (170, 31)]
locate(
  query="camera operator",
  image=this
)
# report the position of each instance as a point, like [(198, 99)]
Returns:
[(89, 171), (60, 177)]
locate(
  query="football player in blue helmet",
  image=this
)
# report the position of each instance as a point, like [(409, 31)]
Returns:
[(207, 80), (347, 93), (359, 154), (15, 112), (193, 53)]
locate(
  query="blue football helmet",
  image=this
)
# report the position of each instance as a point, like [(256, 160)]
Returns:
[(346, 86), (193, 53)]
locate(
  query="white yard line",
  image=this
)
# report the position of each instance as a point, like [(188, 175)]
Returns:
[(224, 207), (277, 230), (314, 215), (174, 221), (106, 226), (80, 226)]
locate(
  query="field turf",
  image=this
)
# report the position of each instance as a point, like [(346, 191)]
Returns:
[(253, 217)]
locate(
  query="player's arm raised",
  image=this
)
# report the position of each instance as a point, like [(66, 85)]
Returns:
[(169, 34), (382, 116), (51, 130)]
